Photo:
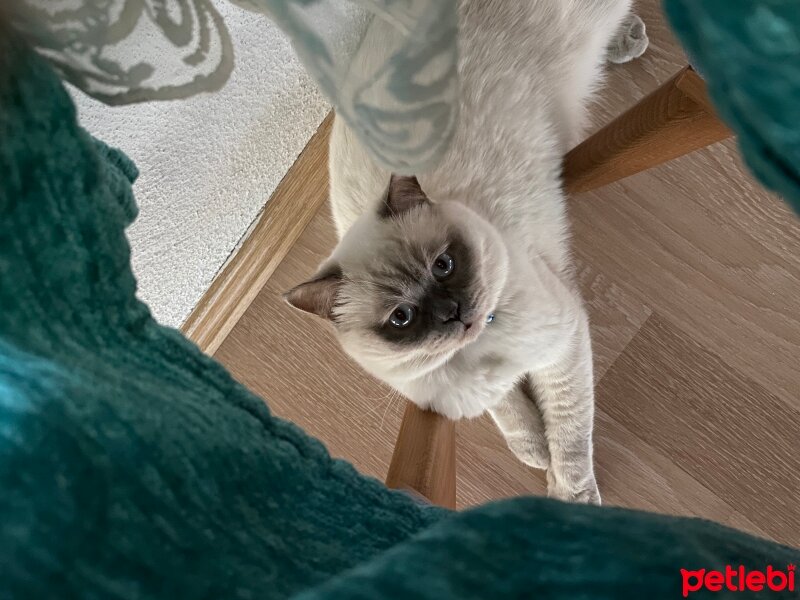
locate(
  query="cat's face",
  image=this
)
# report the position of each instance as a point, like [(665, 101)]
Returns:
[(410, 284)]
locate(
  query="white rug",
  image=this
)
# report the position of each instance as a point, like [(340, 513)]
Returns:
[(209, 164)]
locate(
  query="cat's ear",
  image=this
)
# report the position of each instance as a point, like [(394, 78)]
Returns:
[(318, 295), (404, 194)]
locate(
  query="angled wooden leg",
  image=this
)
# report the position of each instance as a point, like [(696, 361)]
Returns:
[(424, 459), (674, 120)]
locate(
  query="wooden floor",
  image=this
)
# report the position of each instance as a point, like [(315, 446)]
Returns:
[(692, 276)]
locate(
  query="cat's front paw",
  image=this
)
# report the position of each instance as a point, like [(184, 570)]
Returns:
[(584, 493), (531, 449)]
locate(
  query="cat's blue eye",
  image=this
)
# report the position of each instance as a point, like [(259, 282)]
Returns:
[(443, 266), (402, 316)]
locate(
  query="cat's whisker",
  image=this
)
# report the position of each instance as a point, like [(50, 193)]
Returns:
[(389, 405), (380, 403)]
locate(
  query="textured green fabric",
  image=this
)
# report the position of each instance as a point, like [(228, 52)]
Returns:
[(749, 54), (536, 549), (132, 466)]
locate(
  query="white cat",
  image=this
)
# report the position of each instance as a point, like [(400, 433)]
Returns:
[(457, 288)]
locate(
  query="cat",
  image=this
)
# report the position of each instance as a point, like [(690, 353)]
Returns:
[(456, 287)]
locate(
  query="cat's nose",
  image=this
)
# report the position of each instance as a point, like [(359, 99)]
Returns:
[(446, 309)]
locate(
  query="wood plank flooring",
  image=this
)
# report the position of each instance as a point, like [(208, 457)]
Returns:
[(692, 277)]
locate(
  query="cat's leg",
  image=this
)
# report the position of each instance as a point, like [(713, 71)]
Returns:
[(629, 42), (520, 421), (595, 27), (565, 394)]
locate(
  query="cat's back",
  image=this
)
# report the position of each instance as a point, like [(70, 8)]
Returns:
[(515, 60), (523, 80)]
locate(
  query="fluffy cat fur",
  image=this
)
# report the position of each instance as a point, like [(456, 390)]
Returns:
[(495, 207)]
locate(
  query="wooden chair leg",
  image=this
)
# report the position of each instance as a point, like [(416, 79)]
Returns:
[(674, 120), (424, 458)]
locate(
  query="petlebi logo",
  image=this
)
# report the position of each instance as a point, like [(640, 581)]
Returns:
[(739, 579)]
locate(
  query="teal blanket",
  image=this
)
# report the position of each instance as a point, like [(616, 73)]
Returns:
[(133, 466)]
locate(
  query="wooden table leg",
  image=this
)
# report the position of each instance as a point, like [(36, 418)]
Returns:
[(674, 120), (424, 458)]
